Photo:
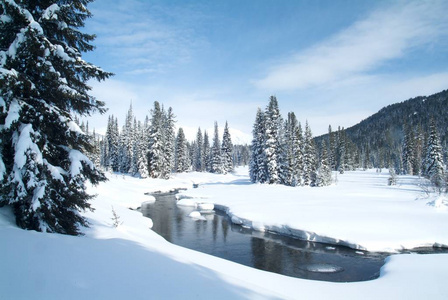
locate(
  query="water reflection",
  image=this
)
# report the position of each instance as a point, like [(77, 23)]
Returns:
[(219, 237)]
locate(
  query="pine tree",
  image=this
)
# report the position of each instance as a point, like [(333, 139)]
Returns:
[(272, 148), (168, 143), (227, 151), (155, 142), (257, 165), (434, 166), (324, 171), (216, 162), (408, 151), (206, 153), (181, 155), (198, 153), (142, 144), (309, 158), (43, 80), (341, 151)]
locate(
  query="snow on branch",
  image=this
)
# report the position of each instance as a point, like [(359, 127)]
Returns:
[(25, 144), (76, 159)]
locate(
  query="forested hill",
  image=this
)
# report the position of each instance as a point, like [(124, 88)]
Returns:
[(383, 132)]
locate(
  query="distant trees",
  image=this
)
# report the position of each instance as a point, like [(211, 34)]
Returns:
[(152, 149), (282, 154)]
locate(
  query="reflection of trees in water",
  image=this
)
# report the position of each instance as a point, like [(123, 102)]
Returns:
[(225, 228), (267, 255), (215, 227), (274, 257), (179, 222), (162, 223), (258, 253)]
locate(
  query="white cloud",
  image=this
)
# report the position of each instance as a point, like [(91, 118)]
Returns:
[(365, 46), (145, 36)]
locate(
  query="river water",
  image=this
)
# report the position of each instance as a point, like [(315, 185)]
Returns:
[(218, 236)]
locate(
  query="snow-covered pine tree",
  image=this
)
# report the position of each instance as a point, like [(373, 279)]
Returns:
[(113, 144), (126, 144), (408, 150), (341, 149), (309, 158), (227, 151), (43, 80), (181, 155), (206, 152), (133, 169), (257, 165), (293, 138), (324, 177), (142, 161), (272, 141), (331, 148), (198, 159), (155, 142), (216, 161), (434, 165), (418, 150), (168, 143)]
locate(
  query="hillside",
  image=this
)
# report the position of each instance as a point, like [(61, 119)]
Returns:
[(383, 132)]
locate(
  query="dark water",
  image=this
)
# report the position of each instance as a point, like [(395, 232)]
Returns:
[(266, 251)]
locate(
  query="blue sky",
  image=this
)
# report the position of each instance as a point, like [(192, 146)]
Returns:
[(331, 62)]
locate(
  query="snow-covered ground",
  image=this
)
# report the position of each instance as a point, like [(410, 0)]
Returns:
[(133, 262)]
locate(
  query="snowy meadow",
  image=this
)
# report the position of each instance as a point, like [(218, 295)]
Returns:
[(131, 261)]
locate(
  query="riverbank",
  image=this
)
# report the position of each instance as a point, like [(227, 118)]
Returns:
[(361, 211), (131, 261)]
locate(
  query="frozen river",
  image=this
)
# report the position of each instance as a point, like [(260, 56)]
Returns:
[(216, 235)]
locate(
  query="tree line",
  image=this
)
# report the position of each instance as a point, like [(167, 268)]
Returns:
[(152, 148)]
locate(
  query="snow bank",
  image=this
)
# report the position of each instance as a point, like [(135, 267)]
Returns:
[(361, 211)]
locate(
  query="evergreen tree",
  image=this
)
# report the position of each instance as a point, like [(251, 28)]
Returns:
[(181, 154), (216, 162), (309, 158), (227, 151), (206, 153), (272, 148), (43, 80), (332, 148), (434, 168), (408, 151), (198, 153), (142, 150), (168, 143), (257, 165), (293, 140), (155, 153), (341, 151), (324, 171)]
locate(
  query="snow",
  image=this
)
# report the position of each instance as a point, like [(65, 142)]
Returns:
[(205, 206), (24, 144), (50, 12), (13, 113), (197, 215), (76, 159), (118, 263), (59, 51), (361, 211)]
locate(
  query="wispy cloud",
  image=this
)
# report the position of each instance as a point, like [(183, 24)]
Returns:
[(387, 34), (144, 37)]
